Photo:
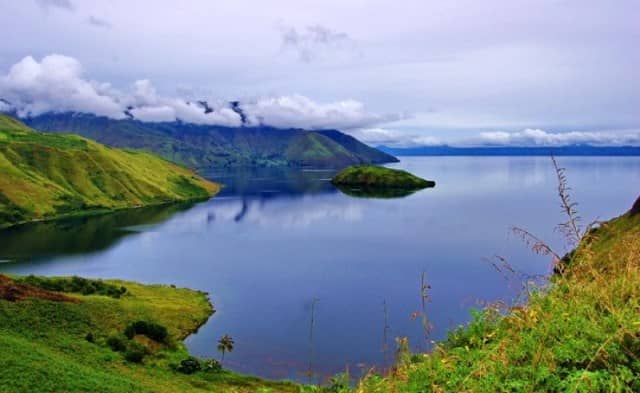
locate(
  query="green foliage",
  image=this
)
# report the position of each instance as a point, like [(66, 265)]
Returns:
[(45, 347), (189, 365), (135, 352), (75, 284), (212, 365), (362, 180), (117, 343), (153, 330), (45, 176)]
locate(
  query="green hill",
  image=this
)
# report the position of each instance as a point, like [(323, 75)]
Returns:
[(200, 146), (47, 175), (69, 335)]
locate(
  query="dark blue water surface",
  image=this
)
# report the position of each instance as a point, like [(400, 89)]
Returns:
[(274, 240)]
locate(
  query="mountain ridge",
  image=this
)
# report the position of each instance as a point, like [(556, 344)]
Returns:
[(201, 146)]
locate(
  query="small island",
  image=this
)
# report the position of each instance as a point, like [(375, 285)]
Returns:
[(377, 181)]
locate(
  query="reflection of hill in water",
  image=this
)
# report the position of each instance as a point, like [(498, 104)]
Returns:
[(96, 233), (78, 235), (268, 182)]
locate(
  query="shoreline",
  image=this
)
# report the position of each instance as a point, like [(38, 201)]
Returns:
[(103, 211)]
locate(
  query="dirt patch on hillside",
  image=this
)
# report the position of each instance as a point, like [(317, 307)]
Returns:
[(14, 291)]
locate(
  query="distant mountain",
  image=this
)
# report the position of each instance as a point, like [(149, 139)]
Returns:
[(572, 150), (47, 176), (200, 146)]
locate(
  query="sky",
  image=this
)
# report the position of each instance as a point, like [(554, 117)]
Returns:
[(400, 73)]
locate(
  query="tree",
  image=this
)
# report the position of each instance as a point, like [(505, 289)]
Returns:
[(225, 344)]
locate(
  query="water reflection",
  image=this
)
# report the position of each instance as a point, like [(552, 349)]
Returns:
[(71, 236)]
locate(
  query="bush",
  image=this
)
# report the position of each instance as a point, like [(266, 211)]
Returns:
[(76, 285), (189, 365), (152, 330), (212, 365), (117, 343), (135, 352)]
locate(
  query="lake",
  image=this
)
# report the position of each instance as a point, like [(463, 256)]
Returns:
[(277, 243)]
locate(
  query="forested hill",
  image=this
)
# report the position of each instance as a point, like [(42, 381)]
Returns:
[(199, 146)]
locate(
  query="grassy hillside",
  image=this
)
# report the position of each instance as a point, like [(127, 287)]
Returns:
[(199, 146), (67, 342), (580, 334), (46, 175)]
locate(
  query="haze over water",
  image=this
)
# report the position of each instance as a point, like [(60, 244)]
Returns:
[(273, 240)]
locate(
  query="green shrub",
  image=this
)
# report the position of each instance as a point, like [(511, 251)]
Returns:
[(212, 365), (189, 365), (135, 352), (117, 343), (152, 330), (75, 284)]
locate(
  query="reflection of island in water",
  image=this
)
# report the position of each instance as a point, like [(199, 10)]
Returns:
[(78, 235), (270, 182), (369, 192)]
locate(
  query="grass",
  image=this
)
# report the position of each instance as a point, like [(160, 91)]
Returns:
[(45, 345), (580, 333), (44, 176)]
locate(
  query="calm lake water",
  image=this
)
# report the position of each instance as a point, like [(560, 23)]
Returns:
[(274, 240)]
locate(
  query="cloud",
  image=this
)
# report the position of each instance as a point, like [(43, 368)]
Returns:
[(60, 4), (98, 22), (5, 106), (301, 112), (317, 41), (537, 137), (393, 138), (149, 106), (57, 84)]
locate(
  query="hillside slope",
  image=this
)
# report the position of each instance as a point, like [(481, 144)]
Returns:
[(199, 146), (68, 335), (581, 334), (45, 175)]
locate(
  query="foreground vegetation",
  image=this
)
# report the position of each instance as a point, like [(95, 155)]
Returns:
[(117, 337), (45, 176), (377, 177), (581, 333)]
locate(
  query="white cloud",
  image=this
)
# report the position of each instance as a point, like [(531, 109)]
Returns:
[(537, 137), (300, 111), (56, 84), (5, 106), (393, 138)]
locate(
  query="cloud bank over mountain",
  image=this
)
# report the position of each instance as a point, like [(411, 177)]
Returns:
[(525, 138), (58, 83)]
